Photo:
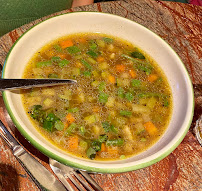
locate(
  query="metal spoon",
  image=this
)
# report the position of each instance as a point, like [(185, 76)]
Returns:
[(6, 84)]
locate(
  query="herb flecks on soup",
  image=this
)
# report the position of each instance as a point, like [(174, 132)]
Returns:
[(119, 107)]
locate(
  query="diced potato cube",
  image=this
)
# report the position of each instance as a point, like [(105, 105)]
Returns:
[(105, 75), (111, 47), (112, 56), (128, 148), (125, 75), (95, 73), (95, 83), (48, 92), (110, 102), (139, 128), (48, 102), (151, 102), (37, 71), (140, 108), (76, 71), (81, 98), (34, 100), (123, 82), (127, 132)]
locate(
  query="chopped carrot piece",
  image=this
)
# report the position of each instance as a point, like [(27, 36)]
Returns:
[(112, 150), (112, 79), (66, 125), (82, 40), (152, 77), (120, 67), (62, 56), (132, 73), (66, 43), (70, 118), (73, 142), (150, 128), (100, 59), (96, 109), (103, 147)]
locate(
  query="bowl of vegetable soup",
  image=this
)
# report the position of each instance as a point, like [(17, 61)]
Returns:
[(132, 104)]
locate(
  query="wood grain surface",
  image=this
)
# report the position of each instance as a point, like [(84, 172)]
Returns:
[(180, 25)]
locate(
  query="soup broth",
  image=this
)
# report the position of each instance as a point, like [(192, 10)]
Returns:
[(120, 106)]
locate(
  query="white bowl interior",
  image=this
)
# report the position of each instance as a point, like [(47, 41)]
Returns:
[(169, 62)]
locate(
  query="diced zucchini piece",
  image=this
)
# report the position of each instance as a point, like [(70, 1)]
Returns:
[(103, 97), (110, 102), (125, 113), (82, 130), (100, 43), (43, 64), (73, 110), (83, 144), (120, 92), (91, 60), (143, 139), (93, 45), (86, 64), (103, 66), (59, 125), (95, 83), (87, 73), (102, 86), (90, 119), (135, 83), (48, 102), (120, 121), (70, 129), (129, 96), (96, 130)]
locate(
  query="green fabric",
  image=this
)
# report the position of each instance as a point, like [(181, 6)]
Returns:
[(14, 13)]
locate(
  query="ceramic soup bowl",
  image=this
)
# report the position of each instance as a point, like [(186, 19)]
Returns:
[(158, 49)]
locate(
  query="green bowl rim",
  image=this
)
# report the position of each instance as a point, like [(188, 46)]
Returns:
[(84, 167)]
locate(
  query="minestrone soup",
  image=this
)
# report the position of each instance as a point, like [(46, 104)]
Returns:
[(120, 106)]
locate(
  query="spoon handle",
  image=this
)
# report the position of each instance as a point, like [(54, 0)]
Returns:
[(28, 83)]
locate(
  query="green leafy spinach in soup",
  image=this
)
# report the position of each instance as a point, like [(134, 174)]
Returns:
[(120, 106)]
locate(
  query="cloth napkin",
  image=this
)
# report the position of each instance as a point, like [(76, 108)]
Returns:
[(15, 13)]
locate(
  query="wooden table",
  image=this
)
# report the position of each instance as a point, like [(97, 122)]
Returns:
[(181, 26)]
